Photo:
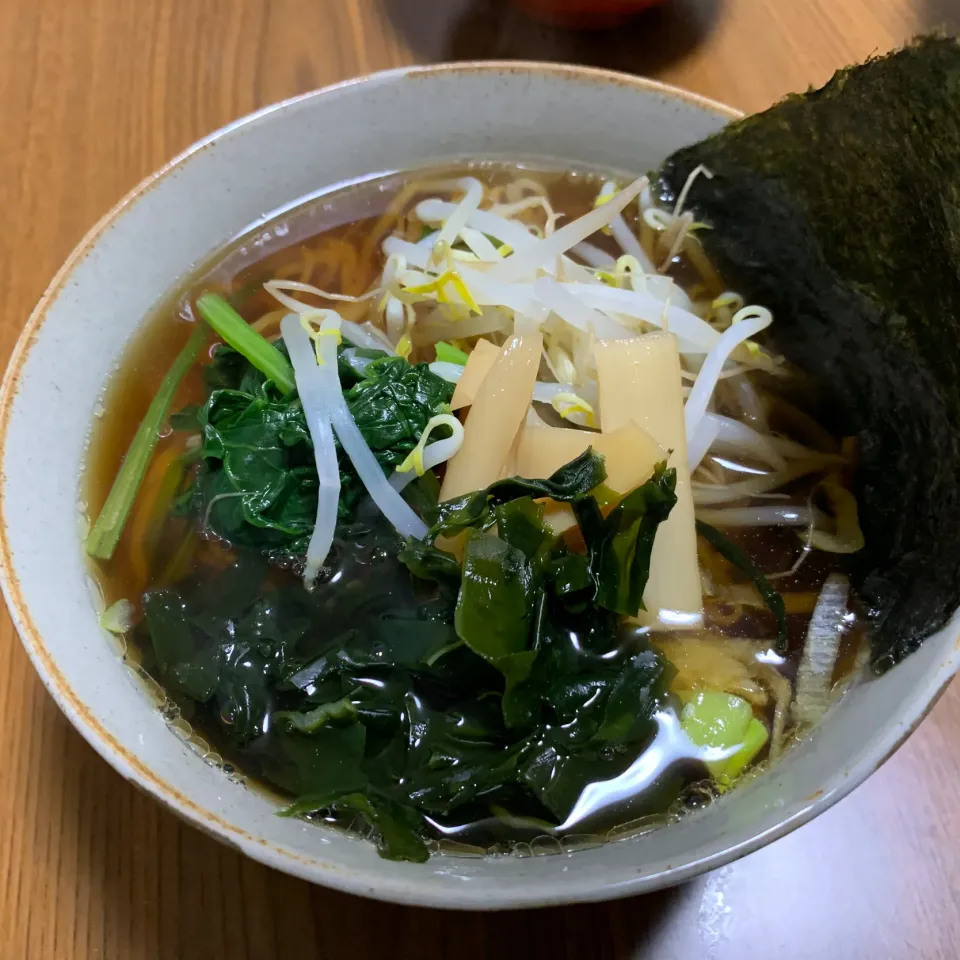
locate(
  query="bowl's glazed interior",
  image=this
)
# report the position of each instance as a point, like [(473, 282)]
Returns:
[(73, 341)]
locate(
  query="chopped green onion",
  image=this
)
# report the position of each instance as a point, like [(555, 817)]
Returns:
[(237, 333), (723, 721), (753, 742), (447, 353), (118, 617), (103, 538)]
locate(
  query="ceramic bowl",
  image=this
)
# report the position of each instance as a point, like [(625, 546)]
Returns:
[(123, 267)]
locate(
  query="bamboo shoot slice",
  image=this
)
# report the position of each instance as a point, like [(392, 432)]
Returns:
[(640, 380), (629, 453), (498, 409), (559, 517), (509, 468), (483, 356)]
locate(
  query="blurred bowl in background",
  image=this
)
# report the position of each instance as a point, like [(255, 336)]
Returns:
[(585, 14)]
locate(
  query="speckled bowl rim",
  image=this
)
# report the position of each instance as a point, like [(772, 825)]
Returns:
[(342, 878)]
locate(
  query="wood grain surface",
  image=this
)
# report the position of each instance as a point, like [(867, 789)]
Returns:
[(96, 94)]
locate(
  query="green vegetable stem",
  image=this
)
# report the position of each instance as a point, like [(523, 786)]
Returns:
[(235, 331), (447, 353), (105, 534)]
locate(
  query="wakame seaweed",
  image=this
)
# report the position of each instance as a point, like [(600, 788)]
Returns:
[(619, 545), (410, 685), (840, 211), (257, 486), (571, 482)]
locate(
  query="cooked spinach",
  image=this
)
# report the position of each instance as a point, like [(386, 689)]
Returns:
[(392, 404), (257, 484)]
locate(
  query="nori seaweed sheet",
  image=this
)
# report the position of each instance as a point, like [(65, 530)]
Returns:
[(840, 211)]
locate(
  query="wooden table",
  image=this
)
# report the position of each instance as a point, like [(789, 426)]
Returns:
[(96, 94)]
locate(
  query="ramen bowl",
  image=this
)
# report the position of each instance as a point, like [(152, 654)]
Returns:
[(547, 114)]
